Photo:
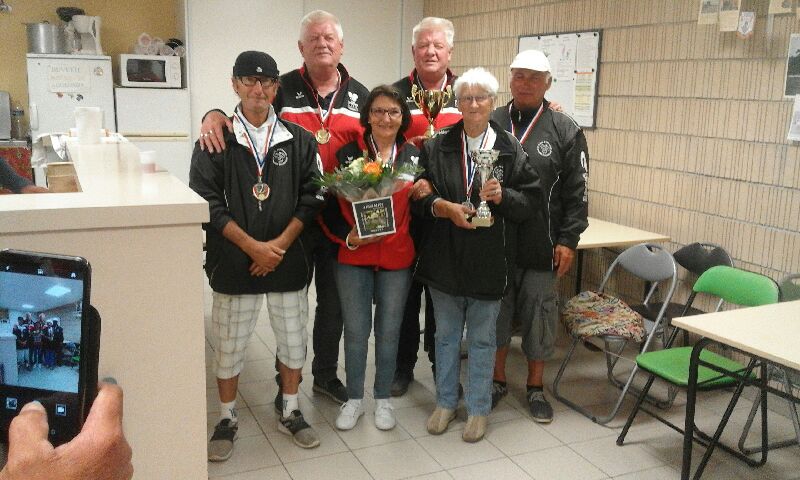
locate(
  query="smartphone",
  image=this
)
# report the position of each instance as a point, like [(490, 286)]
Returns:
[(49, 340)]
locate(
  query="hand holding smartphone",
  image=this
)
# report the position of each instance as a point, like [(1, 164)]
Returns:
[(49, 340)]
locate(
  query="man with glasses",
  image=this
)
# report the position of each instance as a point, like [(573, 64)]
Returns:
[(262, 195), (323, 98), (556, 147)]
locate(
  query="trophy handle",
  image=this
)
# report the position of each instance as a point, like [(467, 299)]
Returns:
[(447, 94), (417, 95)]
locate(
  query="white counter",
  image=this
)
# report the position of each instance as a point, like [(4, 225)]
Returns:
[(141, 233)]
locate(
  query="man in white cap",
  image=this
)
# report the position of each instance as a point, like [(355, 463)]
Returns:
[(557, 149)]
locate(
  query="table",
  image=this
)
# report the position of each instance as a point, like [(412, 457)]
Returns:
[(142, 234), (768, 333), (602, 234)]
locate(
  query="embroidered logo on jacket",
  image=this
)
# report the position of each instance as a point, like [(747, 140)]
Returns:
[(544, 148), (298, 95), (352, 101), (497, 172), (414, 159), (279, 157)]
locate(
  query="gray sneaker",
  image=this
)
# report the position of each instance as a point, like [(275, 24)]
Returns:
[(499, 390), (220, 447), (302, 434), (540, 408)]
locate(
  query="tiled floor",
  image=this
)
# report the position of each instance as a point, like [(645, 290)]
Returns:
[(572, 447)]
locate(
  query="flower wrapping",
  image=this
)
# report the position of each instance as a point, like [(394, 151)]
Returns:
[(365, 179)]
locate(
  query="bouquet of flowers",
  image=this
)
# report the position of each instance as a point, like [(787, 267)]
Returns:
[(368, 185), (364, 179)]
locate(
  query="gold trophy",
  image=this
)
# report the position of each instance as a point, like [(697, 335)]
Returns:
[(484, 162), (431, 102)]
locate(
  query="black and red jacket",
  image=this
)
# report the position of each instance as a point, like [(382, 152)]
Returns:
[(394, 251), (448, 116), (296, 102)]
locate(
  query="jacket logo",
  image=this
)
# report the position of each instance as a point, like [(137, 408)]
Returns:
[(497, 173), (299, 95), (544, 148), (258, 69), (352, 101), (414, 159), (279, 157), (350, 158)]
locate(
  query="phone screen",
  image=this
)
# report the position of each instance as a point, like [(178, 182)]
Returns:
[(43, 309)]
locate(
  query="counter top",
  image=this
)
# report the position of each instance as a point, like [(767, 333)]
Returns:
[(115, 194)]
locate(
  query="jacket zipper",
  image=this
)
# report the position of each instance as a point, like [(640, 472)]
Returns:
[(549, 216)]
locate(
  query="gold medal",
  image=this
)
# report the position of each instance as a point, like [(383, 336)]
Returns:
[(261, 191), (323, 136)]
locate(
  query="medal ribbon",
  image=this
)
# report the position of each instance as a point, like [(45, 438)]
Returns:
[(324, 117), (469, 165), (262, 158), (530, 126), (374, 147)]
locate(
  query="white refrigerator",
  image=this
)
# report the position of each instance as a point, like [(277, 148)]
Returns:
[(158, 119), (57, 84)]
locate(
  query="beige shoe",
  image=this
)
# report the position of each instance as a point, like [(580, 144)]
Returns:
[(475, 428), (440, 419)]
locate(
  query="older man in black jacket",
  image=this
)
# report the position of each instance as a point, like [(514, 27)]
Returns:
[(262, 194), (556, 147)]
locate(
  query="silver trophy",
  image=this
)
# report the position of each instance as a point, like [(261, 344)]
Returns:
[(484, 164)]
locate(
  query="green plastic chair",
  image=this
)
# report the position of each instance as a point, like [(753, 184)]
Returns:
[(732, 285)]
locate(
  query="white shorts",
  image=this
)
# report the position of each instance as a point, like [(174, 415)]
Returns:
[(234, 317)]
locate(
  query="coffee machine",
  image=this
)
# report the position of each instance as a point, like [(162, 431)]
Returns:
[(86, 31)]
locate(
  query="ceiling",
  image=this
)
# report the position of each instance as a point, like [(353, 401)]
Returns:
[(18, 289)]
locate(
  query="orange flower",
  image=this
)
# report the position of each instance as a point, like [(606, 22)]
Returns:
[(373, 168)]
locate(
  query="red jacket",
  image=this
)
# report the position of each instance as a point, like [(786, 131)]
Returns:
[(395, 251)]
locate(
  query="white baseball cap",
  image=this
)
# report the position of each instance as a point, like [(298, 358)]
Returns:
[(531, 60)]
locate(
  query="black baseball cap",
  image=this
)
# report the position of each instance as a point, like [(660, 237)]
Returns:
[(253, 63)]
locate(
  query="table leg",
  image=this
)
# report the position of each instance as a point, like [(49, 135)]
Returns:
[(691, 398), (578, 272)]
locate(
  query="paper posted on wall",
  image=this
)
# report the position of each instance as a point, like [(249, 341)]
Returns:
[(778, 7), (794, 124), (729, 15), (709, 12), (747, 23), (791, 85)]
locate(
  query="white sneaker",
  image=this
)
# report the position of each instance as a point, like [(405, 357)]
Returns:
[(348, 414), (384, 414)]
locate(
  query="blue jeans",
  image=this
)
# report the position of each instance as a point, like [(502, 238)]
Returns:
[(480, 317), (357, 287)]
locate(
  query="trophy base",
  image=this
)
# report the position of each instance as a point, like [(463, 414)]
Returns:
[(482, 221)]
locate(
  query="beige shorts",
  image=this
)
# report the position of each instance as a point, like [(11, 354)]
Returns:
[(234, 317)]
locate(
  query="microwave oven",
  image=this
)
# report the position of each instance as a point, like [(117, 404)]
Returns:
[(151, 71)]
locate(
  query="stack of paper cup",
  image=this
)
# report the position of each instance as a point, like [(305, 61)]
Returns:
[(89, 122)]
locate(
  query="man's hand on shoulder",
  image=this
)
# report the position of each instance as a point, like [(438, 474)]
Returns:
[(212, 137)]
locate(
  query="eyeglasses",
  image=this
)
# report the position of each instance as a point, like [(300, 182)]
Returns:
[(266, 82), (467, 99), (379, 112)]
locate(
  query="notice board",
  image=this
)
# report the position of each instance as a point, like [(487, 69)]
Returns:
[(574, 60)]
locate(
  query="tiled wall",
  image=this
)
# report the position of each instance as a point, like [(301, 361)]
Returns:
[(691, 122)]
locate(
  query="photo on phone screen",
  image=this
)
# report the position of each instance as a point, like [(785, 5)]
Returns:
[(42, 317)]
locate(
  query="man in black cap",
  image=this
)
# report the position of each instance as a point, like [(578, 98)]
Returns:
[(323, 98), (261, 193)]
